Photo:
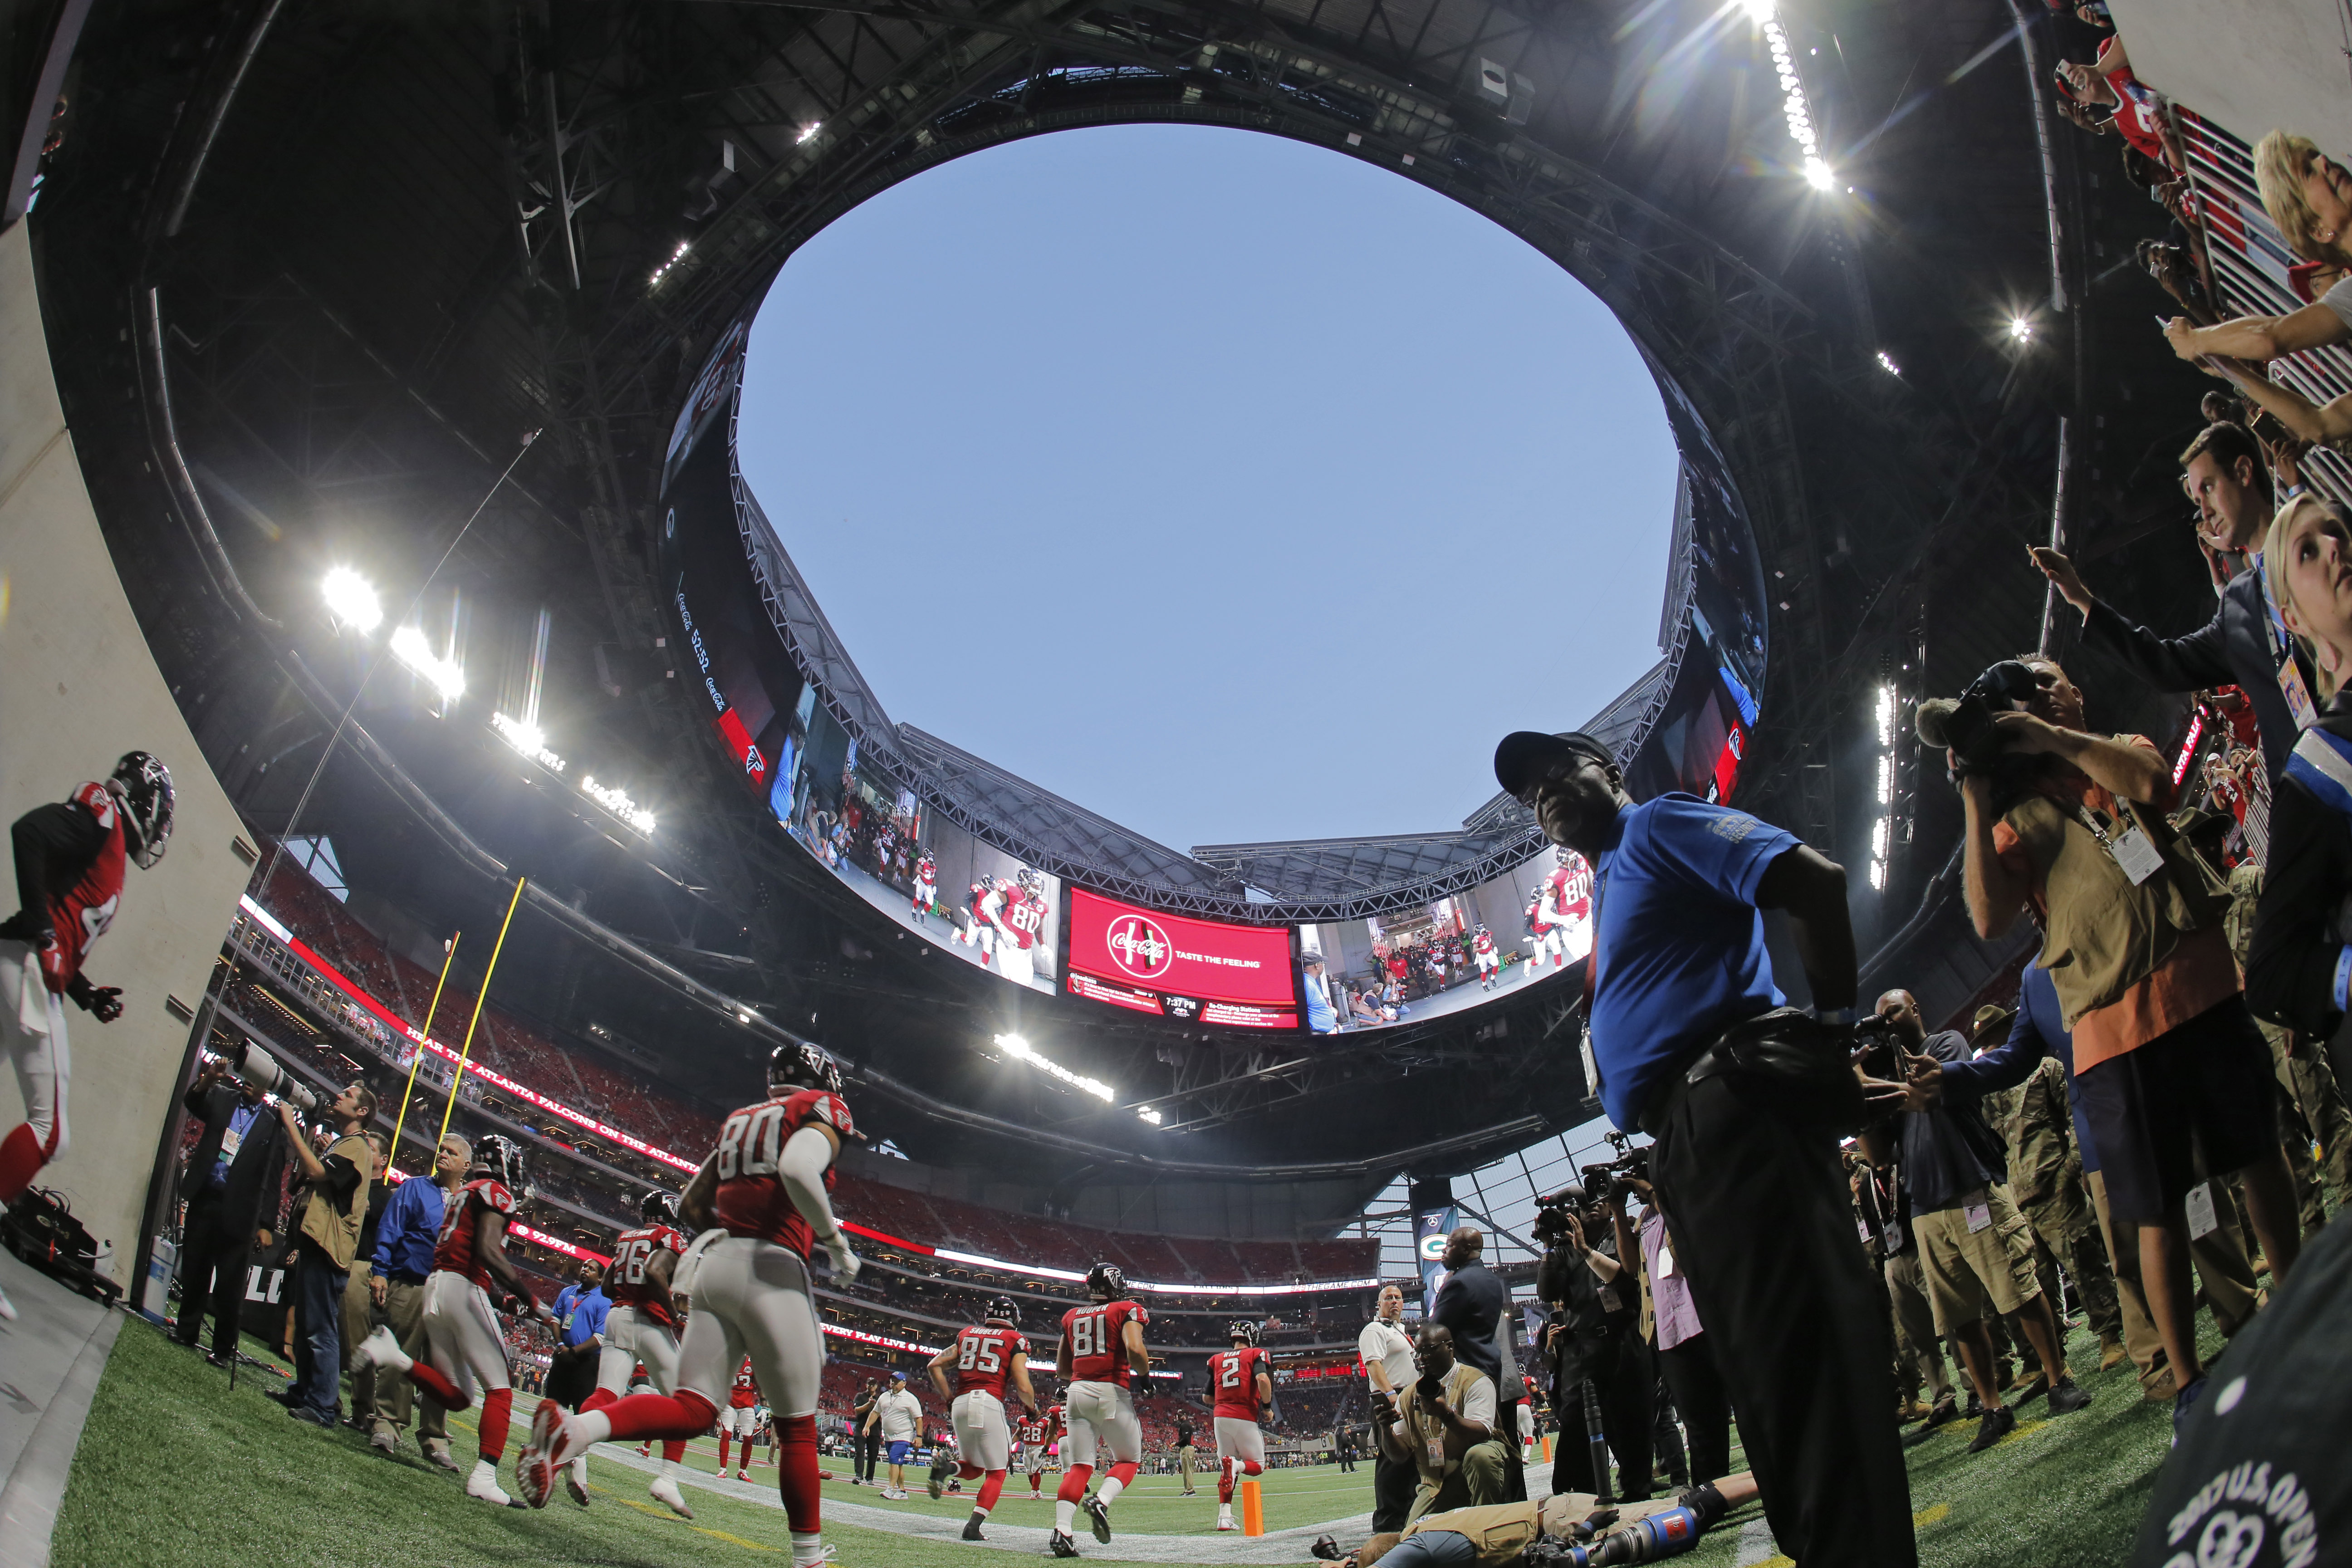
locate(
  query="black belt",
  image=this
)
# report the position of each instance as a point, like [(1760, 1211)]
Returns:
[(1792, 1067), (1713, 1062)]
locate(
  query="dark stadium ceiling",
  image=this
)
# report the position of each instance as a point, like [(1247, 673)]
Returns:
[(368, 246)]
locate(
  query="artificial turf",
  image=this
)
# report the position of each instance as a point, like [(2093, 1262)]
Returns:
[(176, 1468)]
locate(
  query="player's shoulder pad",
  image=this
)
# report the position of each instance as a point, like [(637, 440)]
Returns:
[(96, 799), (493, 1195), (814, 1105), (1135, 1311)]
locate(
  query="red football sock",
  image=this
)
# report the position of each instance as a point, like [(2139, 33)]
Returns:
[(438, 1388), (674, 1450), (22, 1155), (966, 1471), (598, 1400), (1225, 1480), (1252, 1468), (1074, 1483), (498, 1406), (990, 1490), (796, 1472), (722, 1453), (660, 1416)]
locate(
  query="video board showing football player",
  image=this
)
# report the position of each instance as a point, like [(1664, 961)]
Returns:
[(1526, 927)]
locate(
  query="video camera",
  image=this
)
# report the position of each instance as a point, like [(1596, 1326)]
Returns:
[(1964, 726), (1878, 1039)]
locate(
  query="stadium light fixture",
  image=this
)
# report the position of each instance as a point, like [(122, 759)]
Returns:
[(1019, 1049), (351, 599), (808, 130), (1794, 109), (445, 675), (675, 257), (1887, 363), (617, 802), (1759, 11), (527, 739), (2020, 330), (1881, 832), (1147, 1113)]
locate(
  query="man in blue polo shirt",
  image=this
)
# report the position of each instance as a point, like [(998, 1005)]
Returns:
[(1755, 1201)]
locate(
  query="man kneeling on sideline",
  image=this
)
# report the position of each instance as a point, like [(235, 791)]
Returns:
[(1567, 1529)]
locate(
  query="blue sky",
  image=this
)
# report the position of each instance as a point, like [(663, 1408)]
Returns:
[(1229, 487)]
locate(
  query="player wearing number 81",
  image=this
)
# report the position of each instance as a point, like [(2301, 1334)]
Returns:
[(759, 1205), (1242, 1386), (1098, 1355), (985, 1360)]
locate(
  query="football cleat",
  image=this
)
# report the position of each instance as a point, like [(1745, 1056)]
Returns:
[(1061, 1546), (484, 1484), (1097, 1513), (972, 1526), (379, 1348), (573, 1487), (742, 1475), (938, 1488), (535, 1465), (1225, 1519), (665, 1492)]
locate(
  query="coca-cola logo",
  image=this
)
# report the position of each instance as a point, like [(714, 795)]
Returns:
[(1140, 947)]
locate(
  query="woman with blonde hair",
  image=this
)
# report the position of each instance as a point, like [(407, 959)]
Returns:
[(2308, 197), (2299, 965)]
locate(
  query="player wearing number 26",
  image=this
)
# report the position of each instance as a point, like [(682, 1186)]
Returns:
[(1099, 1354)]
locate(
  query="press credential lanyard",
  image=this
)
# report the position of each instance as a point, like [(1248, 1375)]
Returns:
[(2131, 848)]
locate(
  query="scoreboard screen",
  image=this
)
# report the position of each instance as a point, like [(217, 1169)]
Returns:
[(1204, 971)]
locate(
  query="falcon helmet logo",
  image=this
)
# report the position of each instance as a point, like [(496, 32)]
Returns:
[(1140, 947)]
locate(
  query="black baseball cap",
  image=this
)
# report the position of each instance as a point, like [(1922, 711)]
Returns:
[(1524, 754)]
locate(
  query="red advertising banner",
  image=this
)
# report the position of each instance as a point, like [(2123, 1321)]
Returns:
[(1206, 971)]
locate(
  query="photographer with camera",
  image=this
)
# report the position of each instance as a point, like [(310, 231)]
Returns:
[(1386, 1352), (1975, 1248), (238, 1156), (1746, 1100), (1475, 1305), (1445, 1429), (2169, 1064), (1594, 1337), (326, 1239)]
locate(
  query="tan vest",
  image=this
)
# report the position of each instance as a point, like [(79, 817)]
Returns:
[(1419, 1429), (339, 1233), (2105, 935)]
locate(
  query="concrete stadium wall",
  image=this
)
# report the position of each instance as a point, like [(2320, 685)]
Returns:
[(77, 689), (2251, 66)]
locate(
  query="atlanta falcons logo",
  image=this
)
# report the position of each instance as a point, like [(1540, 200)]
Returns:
[(1140, 947)]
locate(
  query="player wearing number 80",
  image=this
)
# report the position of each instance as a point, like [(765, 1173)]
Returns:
[(985, 1359), (1240, 1378), (1098, 1355), (760, 1204)]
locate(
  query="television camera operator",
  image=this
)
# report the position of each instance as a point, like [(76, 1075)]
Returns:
[(2168, 1059), (1595, 1336), (1746, 1100), (1445, 1429), (1475, 1305)]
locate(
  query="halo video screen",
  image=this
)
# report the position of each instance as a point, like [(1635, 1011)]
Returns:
[(1204, 971), (1408, 966)]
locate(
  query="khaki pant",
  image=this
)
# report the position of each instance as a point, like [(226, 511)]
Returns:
[(404, 1312), (1976, 1274), (1478, 1483), (1914, 1321), (358, 1315), (1184, 1465), (2222, 1266)]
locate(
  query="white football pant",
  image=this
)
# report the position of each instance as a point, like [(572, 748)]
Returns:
[(1239, 1440), (1104, 1412), (630, 1339), (462, 1342), (752, 1297), (982, 1436)]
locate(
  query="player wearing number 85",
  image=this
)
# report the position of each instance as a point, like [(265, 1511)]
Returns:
[(985, 1359), (1099, 1354)]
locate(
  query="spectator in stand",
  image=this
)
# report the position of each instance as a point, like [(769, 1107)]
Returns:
[(235, 1162), (2224, 472), (404, 1240), (2308, 197)]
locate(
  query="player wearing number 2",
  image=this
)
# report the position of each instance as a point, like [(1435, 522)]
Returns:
[(1243, 1387), (985, 1360), (1098, 1356), (759, 1205), (643, 1329)]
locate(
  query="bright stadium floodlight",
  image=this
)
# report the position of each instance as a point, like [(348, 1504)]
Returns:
[(1147, 1113), (616, 801), (1818, 175), (1759, 11), (445, 675), (528, 740), (351, 599), (808, 130), (1887, 363), (1014, 1047), (2020, 330)]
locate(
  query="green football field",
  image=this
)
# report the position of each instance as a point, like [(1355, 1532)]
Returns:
[(174, 1467)]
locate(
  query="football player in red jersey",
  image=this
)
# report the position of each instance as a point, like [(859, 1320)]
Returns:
[(758, 1205), (985, 1360), (738, 1419), (1482, 946), (70, 858), (1242, 1386), (1017, 910), (641, 1331), (927, 886), (1037, 1429), (977, 929), (1099, 1354), (463, 1343)]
